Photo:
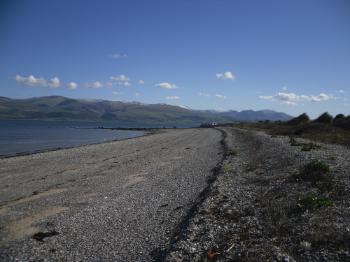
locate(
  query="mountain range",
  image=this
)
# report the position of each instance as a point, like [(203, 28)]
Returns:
[(125, 113)]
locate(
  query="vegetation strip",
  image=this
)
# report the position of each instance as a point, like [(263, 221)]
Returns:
[(325, 129)]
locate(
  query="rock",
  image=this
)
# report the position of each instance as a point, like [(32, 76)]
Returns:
[(306, 245)]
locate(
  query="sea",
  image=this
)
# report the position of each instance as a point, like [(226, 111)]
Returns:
[(28, 136)]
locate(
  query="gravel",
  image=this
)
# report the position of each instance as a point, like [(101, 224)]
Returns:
[(116, 201), (254, 209)]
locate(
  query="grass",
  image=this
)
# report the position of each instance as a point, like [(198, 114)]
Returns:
[(318, 173), (314, 202), (317, 166), (231, 152), (227, 168), (309, 146), (304, 146), (293, 142)]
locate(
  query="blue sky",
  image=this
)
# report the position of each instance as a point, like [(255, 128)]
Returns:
[(290, 56)]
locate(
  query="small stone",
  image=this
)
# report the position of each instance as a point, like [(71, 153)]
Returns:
[(306, 245)]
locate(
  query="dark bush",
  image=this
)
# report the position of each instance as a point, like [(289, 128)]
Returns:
[(312, 202), (304, 146), (309, 146), (338, 117), (339, 120), (293, 142), (342, 121), (303, 118), (232, 152), (324, 118), (316, 171), (347, 122)]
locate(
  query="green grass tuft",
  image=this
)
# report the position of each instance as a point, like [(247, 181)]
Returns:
[(227, 168), (314, 202), (316, 166), (309, 146), (232, 152), (318, 173)]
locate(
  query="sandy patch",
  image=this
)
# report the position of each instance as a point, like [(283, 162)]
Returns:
[(32, 197), (134, 179), (3, 211), (23, 227)]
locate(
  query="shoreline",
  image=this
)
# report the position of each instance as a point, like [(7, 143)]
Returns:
[(147, 132)]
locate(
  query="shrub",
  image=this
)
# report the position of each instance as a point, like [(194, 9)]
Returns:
[(293, 142), (324, 118), (227, 168), (304, 146), (232, 152), (315, 172), (309, 146), (303, 118), (342, 121), (313, 202), (338, 117), (347, 122), (339, 120)]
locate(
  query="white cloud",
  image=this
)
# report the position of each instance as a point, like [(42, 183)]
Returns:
[(266, 97), (115, 93), (137, 94), (225, 76), (96, 84), (172, 97), (38, 81), (220, 96), (321, 97), (141, 82), (284, 88), (166, 85), (118, 56), (121, 80), (203, 94), (72, 85), (108, 84), (341, 91), (31, 80), (54, 82), (290, 98)]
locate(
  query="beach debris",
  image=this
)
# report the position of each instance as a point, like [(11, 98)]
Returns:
[(211, 255), (41, 235), (306, 245)]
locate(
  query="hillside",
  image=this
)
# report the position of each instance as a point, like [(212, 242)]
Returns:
[(62, 108), (251, 115)]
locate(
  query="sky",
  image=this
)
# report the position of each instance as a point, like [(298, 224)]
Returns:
[(290, 56)]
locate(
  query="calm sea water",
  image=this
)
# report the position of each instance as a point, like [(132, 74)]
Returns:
[(23, 136)]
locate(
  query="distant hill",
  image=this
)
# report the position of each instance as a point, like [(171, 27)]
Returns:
[(252, 116), (125, 113)]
